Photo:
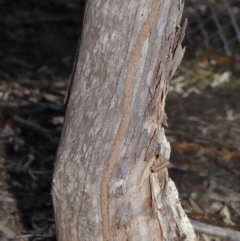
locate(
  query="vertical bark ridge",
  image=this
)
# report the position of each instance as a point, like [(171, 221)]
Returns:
[(126, 112)]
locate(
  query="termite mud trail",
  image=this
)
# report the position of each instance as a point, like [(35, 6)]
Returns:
[(126, 112)]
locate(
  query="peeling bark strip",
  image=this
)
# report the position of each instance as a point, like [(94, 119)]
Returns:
[(126, 112)]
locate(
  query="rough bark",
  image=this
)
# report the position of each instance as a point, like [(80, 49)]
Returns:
[(110, 180)]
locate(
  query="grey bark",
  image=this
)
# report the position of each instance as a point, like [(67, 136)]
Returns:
[(110, 180)]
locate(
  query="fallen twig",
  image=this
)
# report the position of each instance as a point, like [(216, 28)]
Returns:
[(33, 127), (225, 234)]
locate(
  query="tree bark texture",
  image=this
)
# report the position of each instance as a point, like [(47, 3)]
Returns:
[(110, 180)]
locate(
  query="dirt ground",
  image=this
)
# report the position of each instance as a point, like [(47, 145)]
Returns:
[(37, 47)]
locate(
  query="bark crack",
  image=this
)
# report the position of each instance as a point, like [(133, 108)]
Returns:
[(126, 112)]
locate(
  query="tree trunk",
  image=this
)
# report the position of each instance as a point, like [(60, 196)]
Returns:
[(110, 180)]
